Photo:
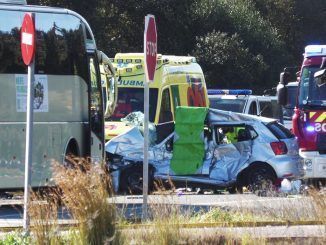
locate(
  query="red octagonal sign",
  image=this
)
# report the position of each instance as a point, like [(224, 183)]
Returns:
[(150, 47), (27, 43)]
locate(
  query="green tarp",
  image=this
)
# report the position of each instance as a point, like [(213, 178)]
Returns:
[(189, 149)]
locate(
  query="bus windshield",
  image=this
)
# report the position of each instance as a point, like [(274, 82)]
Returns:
[(311, 93), (132, 100), (235, 105)]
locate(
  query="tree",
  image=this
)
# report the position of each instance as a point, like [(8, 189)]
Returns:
[(257, 40), (228, 63), (248, 36)]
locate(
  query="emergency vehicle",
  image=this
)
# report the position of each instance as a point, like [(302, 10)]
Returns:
[(242, 101), (178, 81), (309, 119)]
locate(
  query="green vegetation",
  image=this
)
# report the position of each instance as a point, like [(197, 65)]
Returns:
[(239, 43), (14, 238)]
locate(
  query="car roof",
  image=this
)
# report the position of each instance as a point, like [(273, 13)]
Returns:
[(219, 116)]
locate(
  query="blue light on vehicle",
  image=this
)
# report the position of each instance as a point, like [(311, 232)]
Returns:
[(229, 91), (310, 128)]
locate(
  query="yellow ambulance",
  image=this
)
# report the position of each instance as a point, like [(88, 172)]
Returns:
[(178, 81)]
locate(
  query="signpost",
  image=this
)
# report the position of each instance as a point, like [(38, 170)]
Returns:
[(28, 51), (150, 53)]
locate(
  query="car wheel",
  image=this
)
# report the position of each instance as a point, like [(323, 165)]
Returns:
[(131, 180), (236, 189), (260, 181), (232, 189)]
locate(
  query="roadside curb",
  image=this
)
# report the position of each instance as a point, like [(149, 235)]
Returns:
[(67, 224), (228, 224)]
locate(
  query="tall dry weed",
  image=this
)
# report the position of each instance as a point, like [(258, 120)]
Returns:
[(319, 202), (85, 190), (43, 211)]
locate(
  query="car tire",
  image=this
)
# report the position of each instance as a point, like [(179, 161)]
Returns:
[(260, 180), (236, 189), (131, 181), (232, 190)]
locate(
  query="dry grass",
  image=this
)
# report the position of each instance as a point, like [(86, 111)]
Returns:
[(85, 188), (43, 211), (167, 222), (319, 203)]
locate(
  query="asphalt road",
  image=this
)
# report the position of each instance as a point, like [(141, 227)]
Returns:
[(131, 206)]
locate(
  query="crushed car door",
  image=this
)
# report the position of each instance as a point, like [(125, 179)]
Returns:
[(232, 151)]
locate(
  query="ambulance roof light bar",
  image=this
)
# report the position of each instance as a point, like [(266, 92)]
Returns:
[(229, 91)]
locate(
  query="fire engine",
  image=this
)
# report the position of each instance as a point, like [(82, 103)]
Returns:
[(309, 119)]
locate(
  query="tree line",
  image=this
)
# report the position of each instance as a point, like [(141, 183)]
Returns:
[(238, 43)]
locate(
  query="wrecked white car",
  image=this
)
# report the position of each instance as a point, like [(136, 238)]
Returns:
[(207, 148)]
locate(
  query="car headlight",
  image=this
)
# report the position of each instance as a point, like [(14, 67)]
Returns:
[(307, 164)]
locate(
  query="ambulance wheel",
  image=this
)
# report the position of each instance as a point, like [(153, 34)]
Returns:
[(131, 180)]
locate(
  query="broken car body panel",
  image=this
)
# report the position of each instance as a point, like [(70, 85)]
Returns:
[(222, 161)]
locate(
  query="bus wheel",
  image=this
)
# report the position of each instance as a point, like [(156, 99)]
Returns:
[(70, 154), (131, 180)]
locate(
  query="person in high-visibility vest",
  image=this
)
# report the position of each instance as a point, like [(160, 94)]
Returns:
[(231, 135)]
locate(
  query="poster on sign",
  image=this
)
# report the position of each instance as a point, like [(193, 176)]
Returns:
[(41, 93)]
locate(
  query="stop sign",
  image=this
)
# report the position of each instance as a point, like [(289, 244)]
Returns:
[(150, 47), (27, 43)]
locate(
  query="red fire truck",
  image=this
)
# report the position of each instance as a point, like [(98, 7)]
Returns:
[(309, 119)]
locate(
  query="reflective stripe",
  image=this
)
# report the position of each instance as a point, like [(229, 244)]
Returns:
[(317, 117)]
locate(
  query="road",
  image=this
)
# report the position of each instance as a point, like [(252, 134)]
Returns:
[(130, 206)]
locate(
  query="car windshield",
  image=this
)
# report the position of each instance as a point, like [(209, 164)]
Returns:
[(132, 100), (310, 92), (235, 105)]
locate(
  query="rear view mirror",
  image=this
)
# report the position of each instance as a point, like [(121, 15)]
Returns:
[(285, 77), (110, 83), (281, 92)]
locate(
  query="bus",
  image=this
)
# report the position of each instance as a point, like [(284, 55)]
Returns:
[(68, 99)]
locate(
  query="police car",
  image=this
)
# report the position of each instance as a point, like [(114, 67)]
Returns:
[(242, 101)]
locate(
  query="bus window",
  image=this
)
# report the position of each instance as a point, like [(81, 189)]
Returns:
[(10, 55), (165, 112), (96, 99), (60, 45)]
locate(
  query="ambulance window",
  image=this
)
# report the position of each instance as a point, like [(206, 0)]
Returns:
[(165, 112), (253, 108)]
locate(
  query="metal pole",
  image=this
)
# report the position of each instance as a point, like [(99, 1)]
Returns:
[(145, 165), (29, 143)]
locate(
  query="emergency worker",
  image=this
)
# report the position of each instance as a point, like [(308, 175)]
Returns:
[(231, 135)]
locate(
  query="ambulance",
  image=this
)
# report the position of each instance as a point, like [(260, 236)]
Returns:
[(178, 81)]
